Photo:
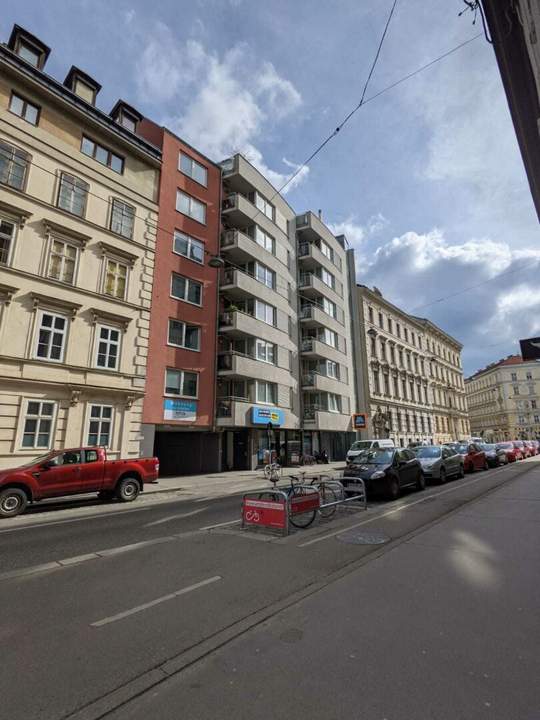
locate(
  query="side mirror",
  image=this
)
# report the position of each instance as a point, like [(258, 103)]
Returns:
[(47, 465)]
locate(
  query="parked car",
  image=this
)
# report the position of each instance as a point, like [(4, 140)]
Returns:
[(385, 469), (474, 458), (495, 455), (72, 472), (518, 444), (360, 445), (439, 463), (512, 453), (531, 448)]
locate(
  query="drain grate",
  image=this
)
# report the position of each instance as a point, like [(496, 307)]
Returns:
[(355, 537)]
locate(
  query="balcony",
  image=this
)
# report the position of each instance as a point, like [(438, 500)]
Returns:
[(236, 323), (316, 382), (238, 210), (310, 257), (233, 411), (317, 418), (311, 229), (312, 286), (314, 316), (236, 365), (240, 285), (311, 347)]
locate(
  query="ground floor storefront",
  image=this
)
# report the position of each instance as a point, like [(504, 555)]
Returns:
[(182, 451)]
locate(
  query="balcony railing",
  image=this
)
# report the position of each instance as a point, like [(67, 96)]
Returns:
[(229, 202), (228, 238), (303, 249), (307, 344), (225, 405)]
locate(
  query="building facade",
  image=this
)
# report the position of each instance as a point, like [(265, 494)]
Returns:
[(78, 214), (179, 406), (504, 400), (409, 376), (326, 357), (258, 392)]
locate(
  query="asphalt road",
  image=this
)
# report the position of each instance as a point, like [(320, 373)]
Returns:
[(155, 612)]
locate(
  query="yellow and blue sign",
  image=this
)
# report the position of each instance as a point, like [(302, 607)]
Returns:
[(265, 415)]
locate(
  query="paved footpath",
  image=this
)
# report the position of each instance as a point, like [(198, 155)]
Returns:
[(443, 624)]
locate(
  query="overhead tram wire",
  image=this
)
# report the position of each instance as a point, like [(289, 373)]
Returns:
[(171, 232)]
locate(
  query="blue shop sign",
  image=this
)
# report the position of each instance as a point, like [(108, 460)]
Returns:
[(185, 410), (265, 415)]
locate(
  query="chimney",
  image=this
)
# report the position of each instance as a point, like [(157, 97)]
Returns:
[(319, 213)]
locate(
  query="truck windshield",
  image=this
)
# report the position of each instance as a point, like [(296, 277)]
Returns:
[(37, 460), (361, 445)]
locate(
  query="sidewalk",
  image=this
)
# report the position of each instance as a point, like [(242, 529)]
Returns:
[(232, 483)]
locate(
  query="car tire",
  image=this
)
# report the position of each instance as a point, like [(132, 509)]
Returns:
[(461, 472), (393, 489), (471, 468), (442, 476), (127, 489), (485, 466), (420, 481), (13, 501)]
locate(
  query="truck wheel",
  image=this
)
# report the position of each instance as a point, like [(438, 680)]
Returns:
[(13, 501), (127, 489)]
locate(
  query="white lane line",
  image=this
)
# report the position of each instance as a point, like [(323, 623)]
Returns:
[(403, 506), (211, 527), (175, 517), (157, 601)]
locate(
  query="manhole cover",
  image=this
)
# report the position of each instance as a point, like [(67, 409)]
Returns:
[(354, 537)]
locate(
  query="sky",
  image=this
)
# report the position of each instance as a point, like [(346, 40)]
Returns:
[(426, 181)]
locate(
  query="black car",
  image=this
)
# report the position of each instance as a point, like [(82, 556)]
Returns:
[(495, 454), (385, 469)]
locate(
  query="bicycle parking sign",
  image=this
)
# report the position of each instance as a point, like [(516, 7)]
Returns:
[(267, 513)]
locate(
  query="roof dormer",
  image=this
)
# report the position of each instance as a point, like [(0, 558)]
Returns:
[(28, 47), (126, 116), (82, 85)]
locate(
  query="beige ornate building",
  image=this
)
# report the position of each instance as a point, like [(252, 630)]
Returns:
[(504, 400), (78, 220), (409, 375)]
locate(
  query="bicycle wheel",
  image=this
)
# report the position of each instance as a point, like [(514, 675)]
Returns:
[(304, 519), (328, 495)]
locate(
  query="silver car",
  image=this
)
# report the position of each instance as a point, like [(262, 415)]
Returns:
[(440, 463)]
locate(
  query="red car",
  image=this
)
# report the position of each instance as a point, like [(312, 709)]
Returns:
[(474, 458), (518, 444), (72, 472), (512, 453), (531, 447)]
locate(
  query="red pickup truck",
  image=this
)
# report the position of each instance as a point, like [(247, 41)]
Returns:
[(71, 472)]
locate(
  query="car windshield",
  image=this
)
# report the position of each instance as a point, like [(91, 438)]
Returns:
[(378, 456), (488, 446), (461, 449), (428, 452), (37, 460), (506, 446), (361, 445)]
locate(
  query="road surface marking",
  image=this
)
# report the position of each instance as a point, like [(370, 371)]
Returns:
[(152, 603), (211, 527), (175, 517), (401, 507)]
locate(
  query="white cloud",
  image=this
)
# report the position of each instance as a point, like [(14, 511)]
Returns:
[(221, 105)]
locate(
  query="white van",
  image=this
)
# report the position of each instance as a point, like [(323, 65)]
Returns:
[(359, 445)]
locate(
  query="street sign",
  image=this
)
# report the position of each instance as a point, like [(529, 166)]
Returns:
[(530, 348), (359, 421), (267, 513)]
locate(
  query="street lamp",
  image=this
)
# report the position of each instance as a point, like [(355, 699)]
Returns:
[(216, 261)]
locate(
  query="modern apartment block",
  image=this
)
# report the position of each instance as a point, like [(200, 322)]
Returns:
[(78, 214), (179, 406), (326, 352), (504, 400), (258, 392), (409, 376)]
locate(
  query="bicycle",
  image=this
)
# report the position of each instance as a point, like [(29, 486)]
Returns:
[(327, 494), (272, 472), (299, 520)]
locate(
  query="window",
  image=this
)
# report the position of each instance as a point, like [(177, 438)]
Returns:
[(187, 205), (62, 261), (265, 312), (181, 383), (265, 351), (116, 274), (332, 369), (370, 314), (405, 330), (29, 53), (398, 330), (122, 218), (102, 155), (38, 424), (327, 250), (100, 425), (400, 353), (413, 338), (521, 419), (383, 350), (531, 389), (328, 278), (334, 403), (262, 238), (265, 392), (533, 404), (183, 335), (7, 236), (51, 337), (264, 206), (386, 381), (537, 418), (392, 355), (329, 337), (264, 275), (389, 321), (529, 375), (373, 346), (381, 320), (90, 456), (13, 166), (193, 169), (24, 109), (329, 307), (515, 388), (108, 347), (186, 289), (376, 382), (127, 121), (72, 457), (72, 194), (188, 247)]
